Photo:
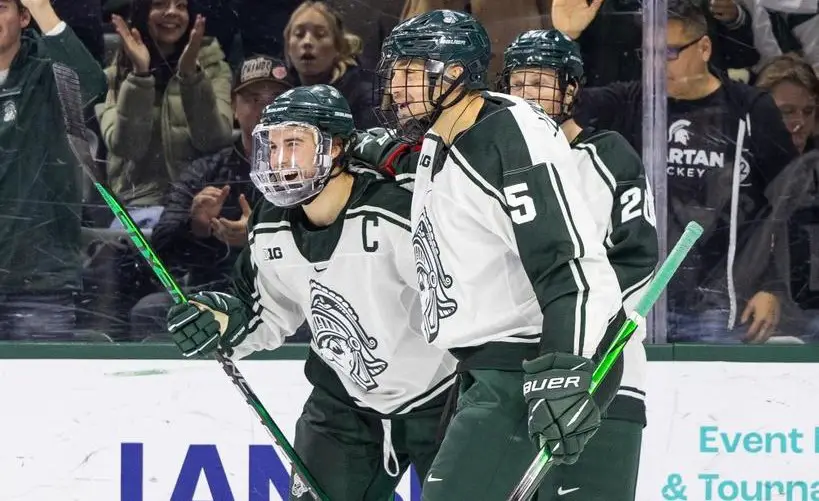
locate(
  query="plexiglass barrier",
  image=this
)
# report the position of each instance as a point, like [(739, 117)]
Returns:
[(686, 110)]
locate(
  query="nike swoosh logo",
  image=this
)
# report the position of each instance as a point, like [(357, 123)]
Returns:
[(320, 270), (433, 479), (562, 492)]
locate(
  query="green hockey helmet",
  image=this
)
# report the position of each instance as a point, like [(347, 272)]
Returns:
[(322, 106), (292, 155), (525, 62), (438, 39)]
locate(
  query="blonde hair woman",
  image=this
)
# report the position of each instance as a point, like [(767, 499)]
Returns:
[(321, 51)]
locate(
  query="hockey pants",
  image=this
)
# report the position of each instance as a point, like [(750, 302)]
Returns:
[(344, 449), (486, 450)]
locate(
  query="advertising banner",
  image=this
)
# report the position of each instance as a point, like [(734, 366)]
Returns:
[(154, 430), (731, 431)]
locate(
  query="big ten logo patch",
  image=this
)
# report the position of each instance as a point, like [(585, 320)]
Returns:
[(272, 253)]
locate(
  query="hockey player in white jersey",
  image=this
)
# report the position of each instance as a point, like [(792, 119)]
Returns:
[(545, 67), (331, 245), (514, 279)]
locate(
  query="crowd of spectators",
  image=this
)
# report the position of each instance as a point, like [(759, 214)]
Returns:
[(174, 87)]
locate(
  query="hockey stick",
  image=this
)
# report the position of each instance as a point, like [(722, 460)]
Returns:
[(68, 90), (538, 468)]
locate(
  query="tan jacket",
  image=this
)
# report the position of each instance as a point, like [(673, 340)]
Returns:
[(151, 137)]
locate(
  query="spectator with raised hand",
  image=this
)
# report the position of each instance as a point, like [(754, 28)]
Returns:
[(204, 225), (39, 192), (716, 127), (169, 101), (609, 35), (321, 51)]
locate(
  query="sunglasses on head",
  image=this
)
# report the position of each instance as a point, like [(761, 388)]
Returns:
[(672, 53)]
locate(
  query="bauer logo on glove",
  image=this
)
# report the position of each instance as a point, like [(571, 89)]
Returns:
[(562, 414), (553, 383)]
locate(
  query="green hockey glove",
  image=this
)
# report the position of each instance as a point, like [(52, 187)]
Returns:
[(209, 320), (562, 414)]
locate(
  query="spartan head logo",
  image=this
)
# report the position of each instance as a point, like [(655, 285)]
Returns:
[(432, 279), (341, 340), (677, 133)]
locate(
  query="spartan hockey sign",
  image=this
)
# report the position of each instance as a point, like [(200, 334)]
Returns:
[(341, 339), (432, 279)]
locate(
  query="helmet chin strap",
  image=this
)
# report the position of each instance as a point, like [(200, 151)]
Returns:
[(424, 123), (340, 161), (438, 104), (566, 109)]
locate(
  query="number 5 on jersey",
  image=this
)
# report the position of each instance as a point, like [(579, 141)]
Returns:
[(521, 206)]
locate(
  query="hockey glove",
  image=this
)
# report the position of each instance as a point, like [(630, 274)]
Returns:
[(562, 414), (376, 148), (209, 320)]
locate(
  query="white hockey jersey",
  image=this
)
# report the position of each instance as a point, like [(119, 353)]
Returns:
[(355, 283), (506, 251)]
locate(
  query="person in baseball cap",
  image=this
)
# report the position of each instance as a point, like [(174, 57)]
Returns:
[(259, 80), (261, 68), (207, 207)]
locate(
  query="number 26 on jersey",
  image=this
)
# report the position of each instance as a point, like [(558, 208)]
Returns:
[(636, 202)]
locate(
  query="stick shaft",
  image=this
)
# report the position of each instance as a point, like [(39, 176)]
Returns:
[(540, 465), (68, 90)]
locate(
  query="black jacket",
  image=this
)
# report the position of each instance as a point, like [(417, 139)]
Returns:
[(209, 260), (612, 44), (706, 194), (40, 181), (794, 197)]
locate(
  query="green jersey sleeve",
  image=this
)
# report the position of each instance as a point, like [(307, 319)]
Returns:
[(66, 48), (632, 238)]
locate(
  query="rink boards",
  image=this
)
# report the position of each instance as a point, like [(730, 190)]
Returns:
[(157, 430)]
